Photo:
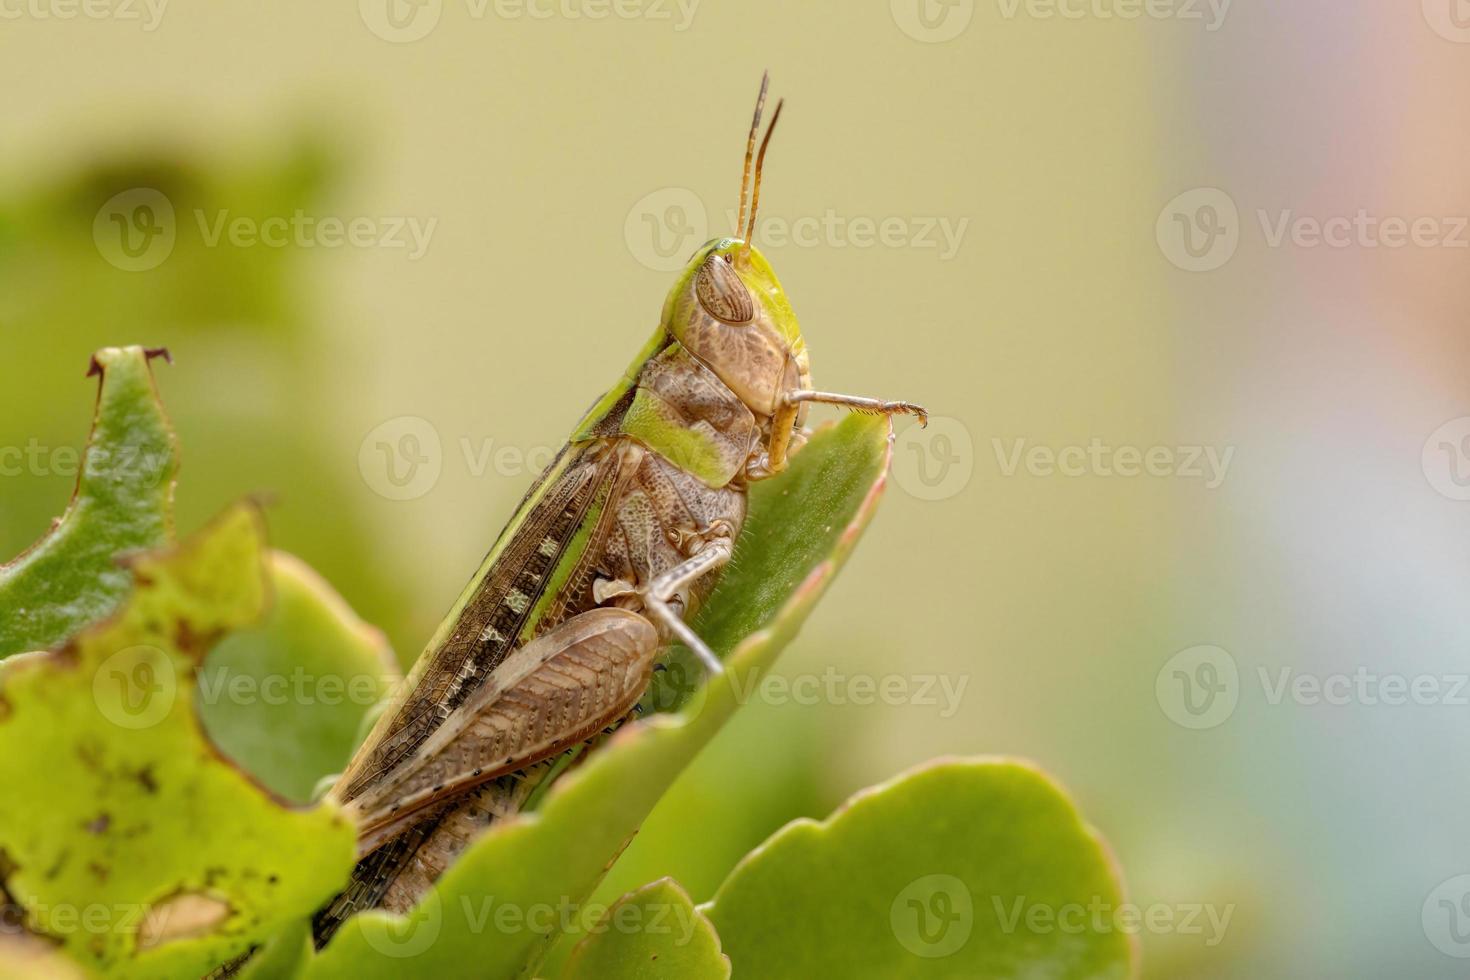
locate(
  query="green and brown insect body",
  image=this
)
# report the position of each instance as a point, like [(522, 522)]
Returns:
[(654, 476), (555, 638), (565, 645)]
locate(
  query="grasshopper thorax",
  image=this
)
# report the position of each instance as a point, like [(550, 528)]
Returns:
[(728, 310)]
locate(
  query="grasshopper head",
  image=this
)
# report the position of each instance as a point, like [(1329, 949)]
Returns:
[(728, 310)]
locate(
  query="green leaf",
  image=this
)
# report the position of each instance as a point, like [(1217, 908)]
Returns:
[(127, 838), (282, 956), (286, 699), (655, 933), (801, 528), (71, 577), (962, 868)]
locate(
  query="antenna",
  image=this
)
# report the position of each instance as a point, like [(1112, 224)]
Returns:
[(755, 189), (755, 125)]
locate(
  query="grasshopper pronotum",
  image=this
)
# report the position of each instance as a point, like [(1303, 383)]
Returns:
[(555, 637)]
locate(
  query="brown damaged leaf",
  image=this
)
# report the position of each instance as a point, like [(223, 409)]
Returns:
[(190, 914)]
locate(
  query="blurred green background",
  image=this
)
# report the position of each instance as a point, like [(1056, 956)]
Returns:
[(1053, 224)]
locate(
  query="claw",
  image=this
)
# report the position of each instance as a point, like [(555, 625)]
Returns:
[(918, 411)]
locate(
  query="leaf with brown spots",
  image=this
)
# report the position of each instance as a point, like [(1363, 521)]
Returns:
[(134, 845)]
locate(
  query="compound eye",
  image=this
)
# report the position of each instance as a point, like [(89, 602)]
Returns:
[(721, 292)]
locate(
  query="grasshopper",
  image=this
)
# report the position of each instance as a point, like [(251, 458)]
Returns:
[(555, 638)]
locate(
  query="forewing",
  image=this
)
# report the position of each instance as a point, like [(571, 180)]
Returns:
[(554, 692), (499, 610)]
